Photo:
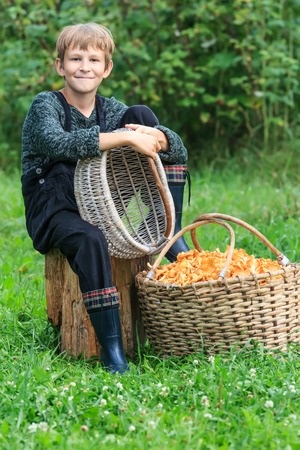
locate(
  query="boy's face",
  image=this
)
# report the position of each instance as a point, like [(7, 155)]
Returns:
[(83, 70)]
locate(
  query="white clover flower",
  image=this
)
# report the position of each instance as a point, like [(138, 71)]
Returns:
[(120, 386), (43, 426), (208, 415), (164, 391), (105, 388), (120, 397), (70, 398), (191, 382), (152, 424), (196, 362), (73, 384), (252, 372), (205, 401), (160, 406), (269, 404), (293, 417), (131, 428), (84, 428), (211, 359), (32, 427), (292, 388), (103, 402)]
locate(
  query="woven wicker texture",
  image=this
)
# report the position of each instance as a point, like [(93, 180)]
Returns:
[(215, 315), (126, 195)]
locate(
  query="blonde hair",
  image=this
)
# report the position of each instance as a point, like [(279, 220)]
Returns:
[(85, 36)]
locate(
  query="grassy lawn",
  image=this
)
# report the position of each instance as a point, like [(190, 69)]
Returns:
[(247, 399)]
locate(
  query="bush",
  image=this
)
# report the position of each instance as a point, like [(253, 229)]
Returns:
[(222, 74)]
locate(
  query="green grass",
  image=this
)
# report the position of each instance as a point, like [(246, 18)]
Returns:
[(246, 399)]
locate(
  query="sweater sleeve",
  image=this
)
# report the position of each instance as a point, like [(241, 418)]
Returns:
[(177, 152), (44, 135)]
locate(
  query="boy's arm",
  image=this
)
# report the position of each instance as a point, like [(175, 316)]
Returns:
[(172, 149), (144, 143), (43, 135)]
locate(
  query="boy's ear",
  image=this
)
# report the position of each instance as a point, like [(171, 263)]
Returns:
[(59, 67), (108, 69)]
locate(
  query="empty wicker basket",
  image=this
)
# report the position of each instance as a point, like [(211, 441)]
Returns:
[(214, 315), (126, 195)]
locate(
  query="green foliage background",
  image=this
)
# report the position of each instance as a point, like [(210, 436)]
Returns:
[(225, 75)]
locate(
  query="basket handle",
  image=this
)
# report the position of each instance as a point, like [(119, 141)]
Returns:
[(196, 224), (159, 185), (281, 258)]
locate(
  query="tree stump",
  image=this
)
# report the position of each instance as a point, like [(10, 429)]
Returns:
[(66, 310)]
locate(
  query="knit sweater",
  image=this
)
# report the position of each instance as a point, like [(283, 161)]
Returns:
[(44, 138)]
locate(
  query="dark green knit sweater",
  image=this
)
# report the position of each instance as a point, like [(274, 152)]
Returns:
[(44, 138)]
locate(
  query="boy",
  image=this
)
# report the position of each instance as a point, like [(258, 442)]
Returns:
[(75, 123)]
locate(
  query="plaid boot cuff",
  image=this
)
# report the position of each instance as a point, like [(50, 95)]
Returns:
[(176, 173), (101, 298)]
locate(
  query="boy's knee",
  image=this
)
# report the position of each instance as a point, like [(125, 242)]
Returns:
[(140, 114), (91, 240)]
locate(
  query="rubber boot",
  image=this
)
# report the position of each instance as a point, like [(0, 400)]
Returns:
[(107, 326), (177, 191)]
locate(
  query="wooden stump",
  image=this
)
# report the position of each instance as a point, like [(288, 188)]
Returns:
[(66, 310)]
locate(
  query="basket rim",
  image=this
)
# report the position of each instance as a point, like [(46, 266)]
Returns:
[(221, 282), (220, 219)]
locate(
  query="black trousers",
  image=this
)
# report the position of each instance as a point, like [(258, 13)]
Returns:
[(53, 221)]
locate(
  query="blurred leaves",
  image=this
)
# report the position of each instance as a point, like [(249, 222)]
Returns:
[(219, 73)]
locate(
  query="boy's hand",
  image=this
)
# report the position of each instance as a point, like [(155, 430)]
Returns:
[(158, 134), (144, 143)]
